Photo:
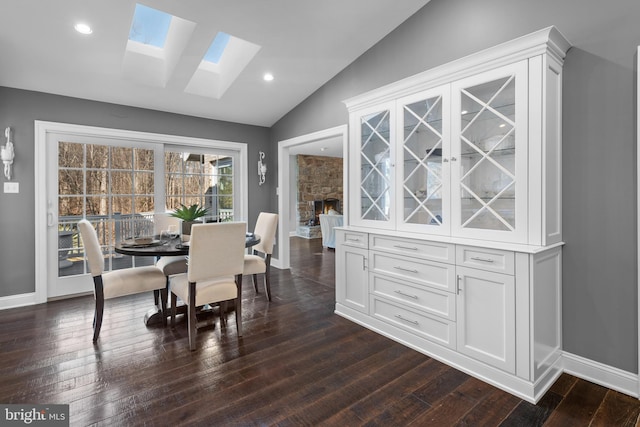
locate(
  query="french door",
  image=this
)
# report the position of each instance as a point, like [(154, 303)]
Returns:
[(118, 183)]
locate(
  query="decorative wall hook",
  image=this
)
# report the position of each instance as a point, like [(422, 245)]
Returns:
[(7, 154), (262, 168)]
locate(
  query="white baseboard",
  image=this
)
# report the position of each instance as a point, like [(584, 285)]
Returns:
[(20, 300), (599, 373), (293, 233), (276, 263)]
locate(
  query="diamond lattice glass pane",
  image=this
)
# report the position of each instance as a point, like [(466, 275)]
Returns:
[(488, 176), (422, 162), (375, 167), (488, 116), (488, 155), (475, 214)]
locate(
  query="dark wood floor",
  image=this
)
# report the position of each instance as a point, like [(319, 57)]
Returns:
[(297, 364)]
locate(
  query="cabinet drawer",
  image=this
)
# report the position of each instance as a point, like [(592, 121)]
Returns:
[(352, 238), (419, 297), (434, 251), (433, 274), (432, 328), (486, 259)]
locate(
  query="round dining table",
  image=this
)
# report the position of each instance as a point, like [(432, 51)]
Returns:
[(159, 247), (167, 247)]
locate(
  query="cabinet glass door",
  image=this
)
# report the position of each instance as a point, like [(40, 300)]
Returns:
[(491, 154), (423, 158), (375, 166)]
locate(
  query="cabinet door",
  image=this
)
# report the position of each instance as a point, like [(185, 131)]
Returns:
[(489, 154), (371, 167), (352, 278), (422, 189), (486, 317)]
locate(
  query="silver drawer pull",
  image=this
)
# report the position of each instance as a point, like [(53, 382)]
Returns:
[(406, 295), (405, 269), (413, 322), (353, 240), (405, 247), (477, 258)]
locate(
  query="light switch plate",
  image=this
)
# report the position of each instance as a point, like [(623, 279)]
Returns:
[(11, 187)]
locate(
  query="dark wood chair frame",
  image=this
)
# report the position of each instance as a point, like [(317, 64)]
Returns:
[(99, 313), (267, 283)]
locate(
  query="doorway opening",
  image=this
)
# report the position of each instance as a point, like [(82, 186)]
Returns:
[(286, 149)]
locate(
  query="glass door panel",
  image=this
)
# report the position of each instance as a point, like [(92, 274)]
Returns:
[(487, 144), (375, 166), (422, 162), (424, 179), (489, 154)]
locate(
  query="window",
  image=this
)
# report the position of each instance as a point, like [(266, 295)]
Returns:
[(150, 26), (203, 179)]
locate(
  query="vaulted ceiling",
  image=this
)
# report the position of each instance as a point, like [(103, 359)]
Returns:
[(303, 43)]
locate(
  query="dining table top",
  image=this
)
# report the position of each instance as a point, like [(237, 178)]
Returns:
[(162, 246)]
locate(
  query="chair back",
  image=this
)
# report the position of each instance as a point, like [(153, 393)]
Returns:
[(92, 250), (216, 249), (266, 227), (162, 221)]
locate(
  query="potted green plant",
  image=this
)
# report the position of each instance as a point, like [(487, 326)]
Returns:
[(189, 215)]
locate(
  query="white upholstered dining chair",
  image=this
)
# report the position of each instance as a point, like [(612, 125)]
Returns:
[(169, 265), (214, 273), (117, 283), (259, 262)]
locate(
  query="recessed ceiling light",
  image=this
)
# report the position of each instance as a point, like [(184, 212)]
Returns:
[(268, 77), (83, 28)]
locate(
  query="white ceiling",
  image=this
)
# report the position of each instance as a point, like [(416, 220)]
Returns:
[(304, 43), (329, 147)]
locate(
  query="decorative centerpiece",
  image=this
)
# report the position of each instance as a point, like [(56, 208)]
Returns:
[(189, 215)]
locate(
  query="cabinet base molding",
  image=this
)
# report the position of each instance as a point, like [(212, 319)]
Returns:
[(527, 390)]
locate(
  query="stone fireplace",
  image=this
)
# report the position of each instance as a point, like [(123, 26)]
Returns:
[(319, 188)]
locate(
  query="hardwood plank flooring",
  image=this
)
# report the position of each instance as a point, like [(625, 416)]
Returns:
[(297, 364)]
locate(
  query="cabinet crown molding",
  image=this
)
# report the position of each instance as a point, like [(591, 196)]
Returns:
[(549, 41)]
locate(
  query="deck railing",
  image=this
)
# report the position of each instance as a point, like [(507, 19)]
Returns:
[(111, 230)]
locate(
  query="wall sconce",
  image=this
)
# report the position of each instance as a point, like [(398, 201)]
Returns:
[(7, 154), (262, 168)]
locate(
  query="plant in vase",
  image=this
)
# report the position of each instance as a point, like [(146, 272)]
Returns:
[(189, 215)]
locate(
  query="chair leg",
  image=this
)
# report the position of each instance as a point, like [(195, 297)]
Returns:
[(191, 309), (174, 303), (267, 274), (163, 309), (267, 285), (255, 282), (156, 296), (239, 305), (164, 293), (223, 313), (97, 317)]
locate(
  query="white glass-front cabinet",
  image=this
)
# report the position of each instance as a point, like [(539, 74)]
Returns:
[(453, 244), (423, 152), (456, 164), (489, 171), (372, 170)]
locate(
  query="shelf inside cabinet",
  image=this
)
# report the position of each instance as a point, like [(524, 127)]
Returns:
[(499, 152)]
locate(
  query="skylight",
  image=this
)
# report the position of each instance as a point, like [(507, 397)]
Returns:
[(149, 26), (217, 48)]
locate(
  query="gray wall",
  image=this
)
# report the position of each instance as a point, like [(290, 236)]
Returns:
[(19, 109), (599, 278)]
